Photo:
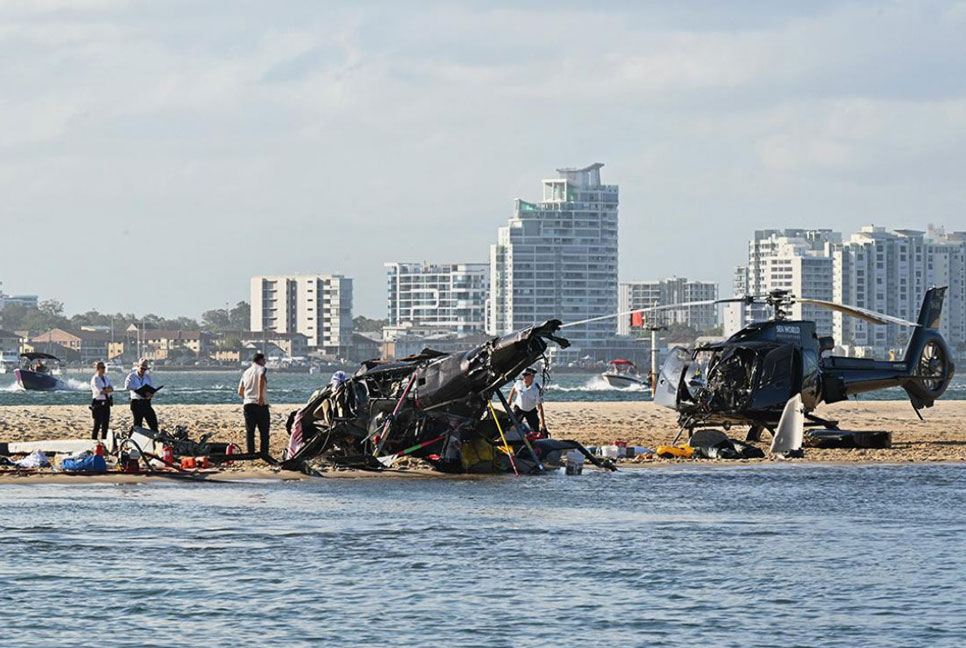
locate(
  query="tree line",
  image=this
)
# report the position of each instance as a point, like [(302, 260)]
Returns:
[(49, 314)]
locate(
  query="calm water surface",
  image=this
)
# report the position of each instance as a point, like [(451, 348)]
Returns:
[(789, 555)]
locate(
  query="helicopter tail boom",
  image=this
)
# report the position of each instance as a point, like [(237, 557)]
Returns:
[(924, 372)]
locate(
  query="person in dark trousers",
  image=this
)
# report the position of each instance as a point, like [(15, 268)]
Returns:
[(101, 402), (526, 397), (141, 407), (252, 389)]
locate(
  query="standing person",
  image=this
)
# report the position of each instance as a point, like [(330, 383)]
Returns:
[(526, 397), (252, 389), (141, 408), (102, 400)]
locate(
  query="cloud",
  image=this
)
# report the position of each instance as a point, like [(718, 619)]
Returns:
[(344, 135)]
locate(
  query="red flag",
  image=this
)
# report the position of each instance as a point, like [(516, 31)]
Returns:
[(637, 319)]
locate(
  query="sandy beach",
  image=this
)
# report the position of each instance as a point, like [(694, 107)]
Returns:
[(941, 437)]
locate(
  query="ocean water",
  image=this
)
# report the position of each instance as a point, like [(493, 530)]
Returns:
[(204, 388), (784, 555)]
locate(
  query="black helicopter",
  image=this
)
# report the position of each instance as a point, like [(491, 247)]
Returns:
[(434, 406), (753, 376)]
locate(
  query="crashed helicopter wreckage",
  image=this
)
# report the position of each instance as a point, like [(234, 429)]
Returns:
[(433, 406)]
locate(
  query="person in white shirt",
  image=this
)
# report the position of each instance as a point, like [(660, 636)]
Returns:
[(141, 402), (252, 389), (101, 401), (526, 398)]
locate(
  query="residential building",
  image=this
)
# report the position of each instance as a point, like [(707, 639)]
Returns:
[(398, 343), (315, 305), (235, 355), (557, 259), (796, 260), (366, 345), (889, 272), (72, 346), (665, 292), (21, 300), (295, 345), (877, 269), (174, 345), (448, 297)]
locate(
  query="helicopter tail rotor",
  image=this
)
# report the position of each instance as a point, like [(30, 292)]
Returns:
[(927, 357)]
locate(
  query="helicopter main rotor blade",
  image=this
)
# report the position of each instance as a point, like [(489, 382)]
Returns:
[(745, 299), (861, 313), (649, 309)]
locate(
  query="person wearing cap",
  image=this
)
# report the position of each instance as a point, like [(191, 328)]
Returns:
[(526, 397), (252, 389), (101, 401), (141, 407)]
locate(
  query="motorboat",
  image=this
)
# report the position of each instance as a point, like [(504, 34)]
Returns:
[(34, 374), (623, 374)]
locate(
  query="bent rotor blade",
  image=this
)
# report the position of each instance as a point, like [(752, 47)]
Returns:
[(649, 309), (861, 313)]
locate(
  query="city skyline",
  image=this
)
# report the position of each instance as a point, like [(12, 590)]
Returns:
[(212, 145)]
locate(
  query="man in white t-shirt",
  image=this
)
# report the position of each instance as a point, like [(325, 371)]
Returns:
[(142, 391), (252, 389), (526, 397)]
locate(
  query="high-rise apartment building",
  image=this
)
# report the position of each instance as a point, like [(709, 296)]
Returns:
[(448, 297), (315, 305), (558, 259), (796, 260), (880, 270), (665, 292), (889, 272)]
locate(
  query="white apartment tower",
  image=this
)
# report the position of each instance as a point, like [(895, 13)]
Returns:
[(889, 272), (673, 290), (796, 260), (558, 259), (450, 297), (317, 306)]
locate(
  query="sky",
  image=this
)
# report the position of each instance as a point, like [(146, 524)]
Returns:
[(154, 156)]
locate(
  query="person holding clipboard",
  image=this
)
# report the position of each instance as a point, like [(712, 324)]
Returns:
[(142, 391)]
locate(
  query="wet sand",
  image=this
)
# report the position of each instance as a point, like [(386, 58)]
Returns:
[(941, 437)]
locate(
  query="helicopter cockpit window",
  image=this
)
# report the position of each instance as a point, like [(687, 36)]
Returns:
[(670, 378)]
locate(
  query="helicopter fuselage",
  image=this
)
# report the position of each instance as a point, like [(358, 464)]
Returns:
[(748, 379)]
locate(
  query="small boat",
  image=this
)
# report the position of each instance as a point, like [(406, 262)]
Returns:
[(35, 375), (623, 374)]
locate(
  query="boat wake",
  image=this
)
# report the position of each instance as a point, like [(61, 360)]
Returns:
[(72, 384), (598, 384), (12, 387)]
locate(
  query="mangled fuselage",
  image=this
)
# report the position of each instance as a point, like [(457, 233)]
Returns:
[(432, 405)]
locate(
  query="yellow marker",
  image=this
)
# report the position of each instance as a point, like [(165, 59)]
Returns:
[(506, 446)]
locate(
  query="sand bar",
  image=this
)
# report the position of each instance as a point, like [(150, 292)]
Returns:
[(941, 437)]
